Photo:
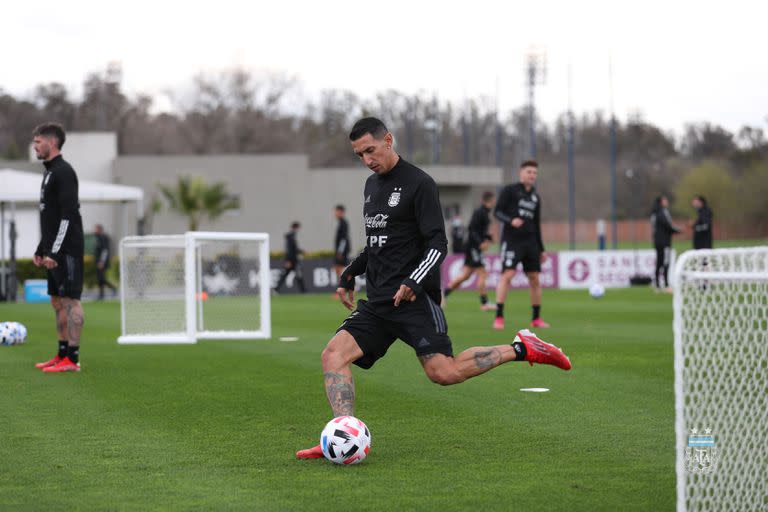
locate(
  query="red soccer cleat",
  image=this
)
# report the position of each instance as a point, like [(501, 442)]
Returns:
[(51, 362), (498, 323), (541, 352), (539, 324), (65, 365), (310, 453)]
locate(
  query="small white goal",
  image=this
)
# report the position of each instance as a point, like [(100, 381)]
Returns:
[(200, 285)]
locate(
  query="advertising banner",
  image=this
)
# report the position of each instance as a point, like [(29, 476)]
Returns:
[(612, 269)]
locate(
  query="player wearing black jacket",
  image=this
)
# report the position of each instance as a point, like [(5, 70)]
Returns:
[(662, 228), (101, 258), (405, 243), (291, 262), (478, 239), (702, 226), (519, 212), (61, 246), (341, 241)]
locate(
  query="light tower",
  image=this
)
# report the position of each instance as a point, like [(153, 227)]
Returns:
[(536, 74)]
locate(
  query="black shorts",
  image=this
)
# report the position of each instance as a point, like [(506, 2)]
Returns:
[(527, 252), (375, 326), (342, 260), (473, 257), (66, 279)]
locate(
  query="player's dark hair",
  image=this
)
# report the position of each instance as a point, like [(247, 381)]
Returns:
[(366, 125), (702, 199), (529, 163), (487, 196), (54, 130), (295, 225), (657, 203), (341, 207)]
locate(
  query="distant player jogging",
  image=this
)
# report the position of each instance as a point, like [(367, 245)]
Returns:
[(405, 244), (519, 212), (478, 239)]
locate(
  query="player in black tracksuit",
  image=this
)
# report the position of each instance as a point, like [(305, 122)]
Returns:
[(702, 226), (405, 244), (341, 241), (101, 259), (61, 245), (519, 213), (663, 229), (478, 239), (291, 262)]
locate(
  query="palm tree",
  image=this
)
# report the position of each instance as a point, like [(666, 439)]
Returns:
[(193, 198)]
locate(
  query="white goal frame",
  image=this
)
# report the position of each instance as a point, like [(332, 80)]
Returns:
[(192, 286), (697, 398)]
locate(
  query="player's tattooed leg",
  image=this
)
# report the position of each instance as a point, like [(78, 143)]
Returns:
[(487, 358), (340, 389)]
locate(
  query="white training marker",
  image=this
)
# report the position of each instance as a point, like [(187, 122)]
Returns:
[(535, 390), (289, 338)]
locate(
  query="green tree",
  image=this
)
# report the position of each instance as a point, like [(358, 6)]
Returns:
[(193, 198), (712, 180)]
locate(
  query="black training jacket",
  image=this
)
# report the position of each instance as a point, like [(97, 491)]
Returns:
[(61, 227), (478, 227), (515, 201), (405, 234), (341, 241)]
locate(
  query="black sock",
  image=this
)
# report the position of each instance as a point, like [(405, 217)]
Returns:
[(520, 351), (499, 310), (447, 292), (483, 300), (63, 348), (536, 312), (73, 353)]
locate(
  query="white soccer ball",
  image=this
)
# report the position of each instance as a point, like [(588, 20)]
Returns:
[(345, 440), (12, 333), (597, 290)]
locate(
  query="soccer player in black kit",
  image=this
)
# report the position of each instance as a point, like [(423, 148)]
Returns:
[(291, 263), (61, 246), (101, 256), (478, 240), (405, 244), (519, 212), (702, 226), (662, 228), (341, 241)]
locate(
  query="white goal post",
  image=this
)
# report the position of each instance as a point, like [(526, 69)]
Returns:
[(721, 379), (199, 285)]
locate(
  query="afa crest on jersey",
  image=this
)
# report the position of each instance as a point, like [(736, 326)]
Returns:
[(394, 197)]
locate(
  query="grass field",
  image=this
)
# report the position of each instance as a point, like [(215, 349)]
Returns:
[(214, 426)]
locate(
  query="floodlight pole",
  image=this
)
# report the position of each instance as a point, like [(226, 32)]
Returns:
[(571, 170), (536, 70)]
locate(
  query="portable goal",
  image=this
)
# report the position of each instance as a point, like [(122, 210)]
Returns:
[(181, 288), (721, 379)]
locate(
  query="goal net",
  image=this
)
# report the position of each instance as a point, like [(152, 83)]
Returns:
[(181, 288), (721, 379)]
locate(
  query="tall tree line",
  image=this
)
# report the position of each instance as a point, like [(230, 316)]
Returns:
[(238, 111)]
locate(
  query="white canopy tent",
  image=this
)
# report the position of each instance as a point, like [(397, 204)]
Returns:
[(22, 188)]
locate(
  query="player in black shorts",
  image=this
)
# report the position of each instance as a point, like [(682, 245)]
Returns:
[(61, 246), (519, 212), (341, 241), (478, 240), (405, 243)]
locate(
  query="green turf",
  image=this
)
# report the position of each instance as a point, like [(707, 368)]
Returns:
[(213, 426)]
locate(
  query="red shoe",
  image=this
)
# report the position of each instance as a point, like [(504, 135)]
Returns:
[(65, 365), (541, 352), (539, 323), (498, 323), (50, 362), (311, 453)]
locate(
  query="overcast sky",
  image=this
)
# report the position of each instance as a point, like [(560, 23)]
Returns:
[(675, 61)]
